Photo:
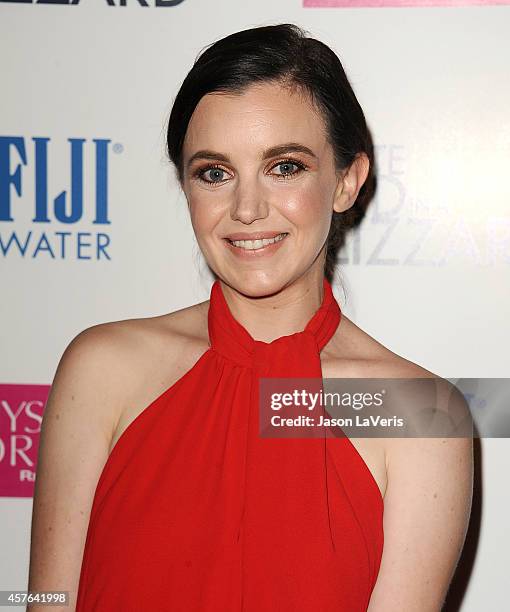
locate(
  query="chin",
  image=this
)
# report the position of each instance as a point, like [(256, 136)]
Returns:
[(257, 283)]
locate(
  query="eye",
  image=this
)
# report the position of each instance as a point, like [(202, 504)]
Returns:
[(211, 174), (288, 168)]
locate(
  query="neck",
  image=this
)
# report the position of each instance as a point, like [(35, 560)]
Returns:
[(279, 314)]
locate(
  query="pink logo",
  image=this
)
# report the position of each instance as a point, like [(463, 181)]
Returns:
[(401, 3), (21, 410)]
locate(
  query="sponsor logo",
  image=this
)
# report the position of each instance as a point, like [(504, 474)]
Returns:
[(396, 3), (155, 3), (33, 224), (21, 410), (401, 228)]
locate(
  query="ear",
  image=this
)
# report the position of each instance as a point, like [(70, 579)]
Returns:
[(350, 182)]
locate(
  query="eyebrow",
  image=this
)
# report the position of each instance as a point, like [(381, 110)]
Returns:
[(288, 147)]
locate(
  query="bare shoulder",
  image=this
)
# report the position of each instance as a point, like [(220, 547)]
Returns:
[(353, 353), (156, 352), (134, 360), (134, 340)]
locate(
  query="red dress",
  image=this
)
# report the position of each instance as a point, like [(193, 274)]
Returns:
[(195, 511)]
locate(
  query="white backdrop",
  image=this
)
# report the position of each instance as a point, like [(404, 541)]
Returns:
[(426, 273)]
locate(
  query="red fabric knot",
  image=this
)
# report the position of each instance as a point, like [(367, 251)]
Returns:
[(232, 340)]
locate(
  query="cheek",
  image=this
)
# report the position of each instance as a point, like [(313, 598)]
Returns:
[(205, 212), (309, 206)]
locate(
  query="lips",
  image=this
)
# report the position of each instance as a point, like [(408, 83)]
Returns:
[(252, 236), (259, 243)]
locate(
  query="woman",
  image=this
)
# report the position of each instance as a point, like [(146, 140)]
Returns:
[(155, 490)]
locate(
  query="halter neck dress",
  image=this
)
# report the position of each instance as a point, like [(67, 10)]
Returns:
[(195, 511)]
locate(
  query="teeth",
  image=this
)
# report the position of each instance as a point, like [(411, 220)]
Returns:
[(251, 245)]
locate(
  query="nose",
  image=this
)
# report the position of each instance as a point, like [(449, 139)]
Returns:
[(249, 202)]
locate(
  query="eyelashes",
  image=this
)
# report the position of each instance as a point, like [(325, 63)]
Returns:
[(200, 173)]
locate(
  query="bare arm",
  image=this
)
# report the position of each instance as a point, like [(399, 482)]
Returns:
[(77, 427), (426, 515)]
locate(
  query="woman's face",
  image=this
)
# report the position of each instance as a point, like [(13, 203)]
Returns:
[(259, 163)]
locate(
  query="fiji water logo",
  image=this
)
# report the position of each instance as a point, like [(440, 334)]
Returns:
[(70, 225)]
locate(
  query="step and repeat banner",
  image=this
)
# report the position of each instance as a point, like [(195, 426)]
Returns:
[(93, 227)]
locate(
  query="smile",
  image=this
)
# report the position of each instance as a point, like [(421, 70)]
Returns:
[(253, 245)]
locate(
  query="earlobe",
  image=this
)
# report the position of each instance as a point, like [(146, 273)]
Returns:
[(351, 182)]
